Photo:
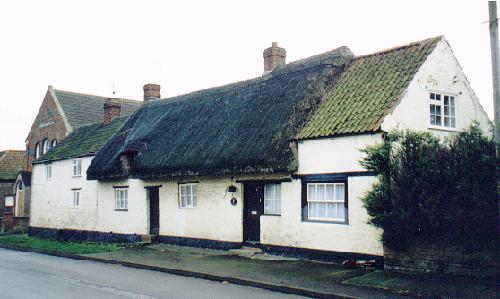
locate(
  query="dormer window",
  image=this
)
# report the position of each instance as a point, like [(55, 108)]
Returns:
[(442, 110)]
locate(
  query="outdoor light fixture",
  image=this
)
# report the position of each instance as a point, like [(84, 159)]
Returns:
[(232, 189)]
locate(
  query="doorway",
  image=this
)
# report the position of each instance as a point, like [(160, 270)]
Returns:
[(253, 207), (154, 210)]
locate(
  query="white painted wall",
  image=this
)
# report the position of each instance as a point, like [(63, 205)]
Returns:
[(52, 200), (440, 73)]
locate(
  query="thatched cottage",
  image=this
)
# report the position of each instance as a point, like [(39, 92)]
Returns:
[(272, 161)]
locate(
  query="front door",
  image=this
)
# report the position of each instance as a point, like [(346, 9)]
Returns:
[(253, 207), (154, 210)]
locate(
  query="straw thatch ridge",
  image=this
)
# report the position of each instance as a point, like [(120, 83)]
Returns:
[(241, 128)]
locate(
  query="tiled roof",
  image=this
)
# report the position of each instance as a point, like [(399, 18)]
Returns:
[(11, 162), (367, 90), (84, 141), (83, 109)]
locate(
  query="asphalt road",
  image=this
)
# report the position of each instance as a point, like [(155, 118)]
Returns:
[(32, 275)]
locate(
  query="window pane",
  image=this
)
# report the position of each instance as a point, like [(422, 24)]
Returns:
[(446, 121), (438, 97), (446, 100), (452, 124), (330, 192), (340, 192), (321, 192), (311, 192), (340, 211), (432, 96)]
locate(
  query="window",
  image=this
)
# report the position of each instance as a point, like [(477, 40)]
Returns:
[(37, 150), (54, 143), (9, 203), (326, 202), (187, 195), (121, 199), (272, 199), (45, 147), (442, 110), (77, 167), (48, 172), (76, 198)]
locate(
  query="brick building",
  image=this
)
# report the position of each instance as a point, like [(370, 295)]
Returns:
[(11, 162), (60, 113)]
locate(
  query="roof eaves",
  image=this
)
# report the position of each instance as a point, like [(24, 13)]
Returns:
[(61, 111)]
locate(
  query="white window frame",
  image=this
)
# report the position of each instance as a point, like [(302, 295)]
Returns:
[(121, 199), (341, 202), (48, 172), (272, 199), (9, 205), (190, 196), (77, 167), (437, 99), (76, 197)]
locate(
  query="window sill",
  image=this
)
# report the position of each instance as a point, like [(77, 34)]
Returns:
[(186, 208), (440, 128), (310, 221), (77, 176), (121, 210)]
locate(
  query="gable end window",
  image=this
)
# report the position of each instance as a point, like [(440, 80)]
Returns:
[(187, 196), (37, 150), (442, 110), (121, 199), (272, 199), (54, 143), (77, 167), (325, 202), (45, 147)]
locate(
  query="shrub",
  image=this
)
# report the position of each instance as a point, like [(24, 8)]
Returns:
[(432, 190), (19, 229)]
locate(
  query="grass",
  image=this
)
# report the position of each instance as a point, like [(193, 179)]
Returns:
[(445, 286), (59, 246)]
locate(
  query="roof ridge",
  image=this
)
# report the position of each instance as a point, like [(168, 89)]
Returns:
[(93, 95), (400, 47)]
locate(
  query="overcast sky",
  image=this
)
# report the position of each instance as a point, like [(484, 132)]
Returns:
[(89, 46)]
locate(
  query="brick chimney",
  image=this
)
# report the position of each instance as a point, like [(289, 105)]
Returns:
[(273, 56), (151, 91), (112, 109)]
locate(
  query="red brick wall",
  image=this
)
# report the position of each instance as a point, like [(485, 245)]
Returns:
[(48, 124)]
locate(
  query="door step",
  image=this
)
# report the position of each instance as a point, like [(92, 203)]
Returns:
[(150, 239)]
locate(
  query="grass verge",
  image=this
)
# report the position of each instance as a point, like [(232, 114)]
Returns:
[(59, 246), (429, 284)]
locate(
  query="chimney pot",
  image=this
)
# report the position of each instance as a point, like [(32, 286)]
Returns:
[(151, 91), (112, 109), (273, 57)]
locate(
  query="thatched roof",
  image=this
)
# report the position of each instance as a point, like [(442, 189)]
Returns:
[(245, 127), (366, 91), (85, 141)]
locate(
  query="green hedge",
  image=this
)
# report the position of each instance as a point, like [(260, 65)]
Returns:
[(434, 190)]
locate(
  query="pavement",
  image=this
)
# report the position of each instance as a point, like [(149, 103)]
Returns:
[(33, 275), (245, 267)]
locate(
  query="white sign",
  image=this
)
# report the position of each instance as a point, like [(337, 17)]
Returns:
[(9, 201)]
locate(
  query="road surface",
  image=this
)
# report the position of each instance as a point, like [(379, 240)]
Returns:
[(32, 275)]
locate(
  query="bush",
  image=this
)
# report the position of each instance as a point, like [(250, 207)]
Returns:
[(19, 229), (432, 190)]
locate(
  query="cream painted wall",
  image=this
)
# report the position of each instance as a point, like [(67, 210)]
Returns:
[(52, 200), (333, 155), (134, 220), (440, 73), (289, 229), (214, 217)]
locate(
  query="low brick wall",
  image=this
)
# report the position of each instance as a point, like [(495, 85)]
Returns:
[(436, 259)]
